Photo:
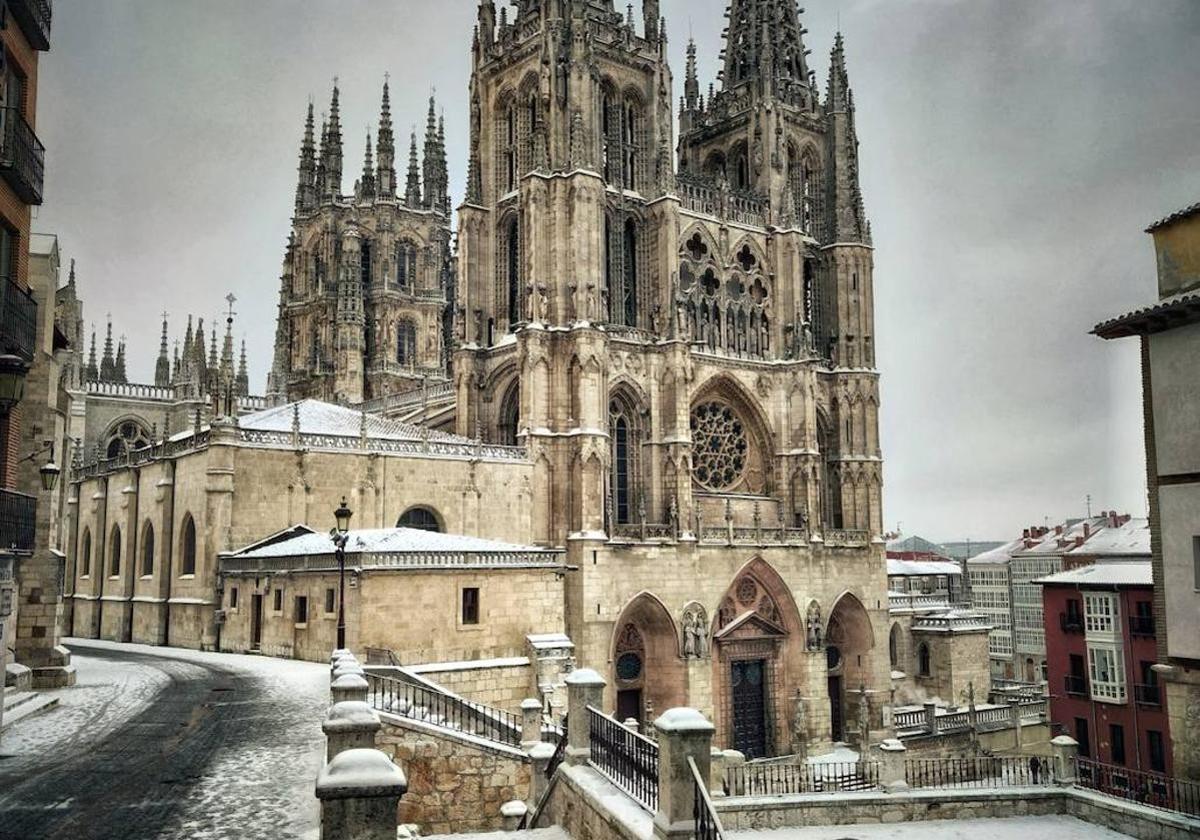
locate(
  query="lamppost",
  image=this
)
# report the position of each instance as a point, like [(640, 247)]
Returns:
[(339, 536)]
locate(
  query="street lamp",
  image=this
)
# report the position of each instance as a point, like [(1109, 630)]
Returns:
[(339, 535)]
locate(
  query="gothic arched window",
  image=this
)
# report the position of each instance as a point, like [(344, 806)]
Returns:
[(114, 551), (831, 486), (125, 437), (631, 270), (364, 263), (406, 264), (720, 446), (509, 418), (622, 513), (420, 518), (148, 550), (187, 545), (923, 660), (510, 154), (606, 132), (406, 343), (513, 264), (85, 554)]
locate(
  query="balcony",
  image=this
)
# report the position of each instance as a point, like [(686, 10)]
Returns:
[(16, 521), (1148, 695), (22, 156), (1076, 685), (1141, 625), (33, 16), (1070, 623), (18, 320)]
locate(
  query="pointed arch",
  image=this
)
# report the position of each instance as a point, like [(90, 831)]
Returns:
[(735, 434), (187, 545), (114, 551), (627, 432), (647, 665), (508, 416), (147, 547)]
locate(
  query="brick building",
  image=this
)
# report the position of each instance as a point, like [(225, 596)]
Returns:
[(1100, 653)]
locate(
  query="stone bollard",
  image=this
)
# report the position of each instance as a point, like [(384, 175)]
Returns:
[(734, 760), (349, 687), (931, 717), (531, 722), (1066, 750), (360, 792), (339, 653), (346, 666), (512, 813), (350, 725), (584, 688), (891, 765), (1014, 715), (340, 656), (540, 755), (716, 772), (682, 734), (631, 723)]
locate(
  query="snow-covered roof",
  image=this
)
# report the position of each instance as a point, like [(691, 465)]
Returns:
[(322, 418), (1054, 544), (997, 556), (916, 544), (1131, 539), (42, 243), (1111, 573), (922, 567), (305, 542)]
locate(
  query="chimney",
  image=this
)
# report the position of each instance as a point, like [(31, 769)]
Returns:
[(1079, 541), (1026, 535), (1087, 530), (1058, 530)]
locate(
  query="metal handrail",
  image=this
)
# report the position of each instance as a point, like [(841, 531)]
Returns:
[(421, 702), (763, 779), (22, 155), (1153, 789), (629, 760), (708, 822), (978, 772)]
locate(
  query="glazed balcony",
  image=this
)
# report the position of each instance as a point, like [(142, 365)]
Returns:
[(22, 156), (33, 16), (18, 321), (16, 521)]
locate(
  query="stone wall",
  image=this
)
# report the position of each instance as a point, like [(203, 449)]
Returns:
[(581, 802), (1035, 740), (455, 784), (502, 685)]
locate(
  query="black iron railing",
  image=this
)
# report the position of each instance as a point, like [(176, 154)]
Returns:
[(1076, 685), (1070, 623), (33, 16), (17, 516), (981, 772), (560, 751), (18, 320), (1153, 789), (411, 700), (1148, 694), (22, 156), (628, 759), (1141, 625), (757, 779), (708, 824)]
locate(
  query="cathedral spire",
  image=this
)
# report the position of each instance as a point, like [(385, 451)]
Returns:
[(92, 373), (847, 218), (691, 84), (412, 195), (367, 185), (837, 95), (184, 368), (108, 367), (71, 276), (199, 365), (119, 366), (162, 368), (333, 149), (306, 198), (227, 369), (385, 179), (243, 376), (764, 45), (435, 161), (443, 168)]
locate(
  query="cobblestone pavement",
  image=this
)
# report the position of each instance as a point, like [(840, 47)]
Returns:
[(167, 743)]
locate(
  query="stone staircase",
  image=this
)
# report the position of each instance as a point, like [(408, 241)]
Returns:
[(20, 704)]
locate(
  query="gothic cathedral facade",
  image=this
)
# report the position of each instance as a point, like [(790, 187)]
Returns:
[(681, 336)]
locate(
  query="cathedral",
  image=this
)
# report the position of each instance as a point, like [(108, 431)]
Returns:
[(658, 358)]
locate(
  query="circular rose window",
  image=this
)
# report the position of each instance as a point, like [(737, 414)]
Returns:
[(719, 446)]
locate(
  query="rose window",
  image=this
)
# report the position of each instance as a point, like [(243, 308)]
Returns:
[(719, 446)]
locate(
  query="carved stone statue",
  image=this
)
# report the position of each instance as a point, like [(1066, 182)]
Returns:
[(864, 718), (799, 727), (695, 632), (814, 627)]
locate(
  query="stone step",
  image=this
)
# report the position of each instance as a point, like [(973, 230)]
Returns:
[(21, 704)]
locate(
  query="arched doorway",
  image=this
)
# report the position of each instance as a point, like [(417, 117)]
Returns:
[(648, 672), (758, 646), (849, 643)]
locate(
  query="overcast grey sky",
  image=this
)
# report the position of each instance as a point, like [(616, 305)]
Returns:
[(1012, 153)]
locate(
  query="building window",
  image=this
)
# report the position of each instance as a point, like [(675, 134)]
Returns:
[(1101, 612), (513, 264), (330, 600), (364, 264), (1196, 563), (1077, 676), (1083, 738), (1141, 623), (278, 605), (233, 598), (406, 264), (1158, 755), (1107, 673), (114, 551), (128, 436), (470, 605), (301, 609), (923, 666), (406, 343), (148, 550), (86, 554), (1116, 736), (189, 546), (421, 518)]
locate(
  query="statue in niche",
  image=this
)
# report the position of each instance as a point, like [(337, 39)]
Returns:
[(814, 627), (695, 632)]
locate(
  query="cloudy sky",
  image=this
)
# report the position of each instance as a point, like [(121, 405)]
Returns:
[(1012, 153)]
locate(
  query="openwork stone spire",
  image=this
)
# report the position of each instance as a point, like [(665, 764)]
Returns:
[(162, 368), (765, 44), (386, 149)]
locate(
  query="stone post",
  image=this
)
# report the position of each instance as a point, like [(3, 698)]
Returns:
[(682, 734), (584, 688), (716, 773), (891, 765), (531, 722), (512, 813), (349, 687), (631, 724), (347, 666), (360, 792), (1066, 750), (350, 725), (540, 755), (931, 718), (1014, 715)]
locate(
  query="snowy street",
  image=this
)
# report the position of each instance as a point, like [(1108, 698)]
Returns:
[(168, 743)]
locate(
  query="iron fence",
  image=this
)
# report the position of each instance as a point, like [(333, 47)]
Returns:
[(18, 320), (17, 521), (560, 751), (1152, 789), (628, 759), (757, 779), (708, 824), (980, 772), (437, 708)]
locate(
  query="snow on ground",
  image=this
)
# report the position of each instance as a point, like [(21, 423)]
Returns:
[(840, 754), (1013, 828), (552, 833)]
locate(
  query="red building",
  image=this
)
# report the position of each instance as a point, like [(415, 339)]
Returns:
[(1100, 649)]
